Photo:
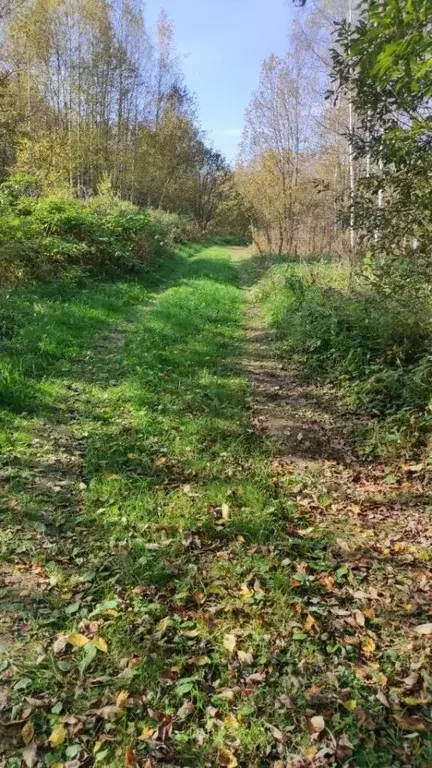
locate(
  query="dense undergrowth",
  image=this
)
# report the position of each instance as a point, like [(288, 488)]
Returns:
[(62, 238), (374, 346)]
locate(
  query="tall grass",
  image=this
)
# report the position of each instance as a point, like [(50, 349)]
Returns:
[(375, 347)]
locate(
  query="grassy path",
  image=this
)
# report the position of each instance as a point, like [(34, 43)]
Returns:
[(169, 596)]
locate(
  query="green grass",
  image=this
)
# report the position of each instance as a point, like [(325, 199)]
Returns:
[(141, 508)]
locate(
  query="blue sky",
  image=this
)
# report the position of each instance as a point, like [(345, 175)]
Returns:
[(223, 43)]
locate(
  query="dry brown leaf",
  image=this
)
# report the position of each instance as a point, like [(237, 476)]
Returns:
[(277, 733), (60, 644), (185, 710), (29, 755), (130, 757), (383, 699), (407, 723), (318, 723), (411, 681), (424, 629), (360, 618)]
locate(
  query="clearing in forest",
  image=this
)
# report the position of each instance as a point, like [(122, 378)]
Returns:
[(195, 569)]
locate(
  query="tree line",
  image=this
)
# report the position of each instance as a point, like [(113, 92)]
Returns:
[(336, 150), (88, 95)]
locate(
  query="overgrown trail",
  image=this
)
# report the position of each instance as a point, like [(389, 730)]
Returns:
[(196, 571)]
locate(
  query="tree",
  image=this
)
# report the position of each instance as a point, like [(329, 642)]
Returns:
[(385, 60)]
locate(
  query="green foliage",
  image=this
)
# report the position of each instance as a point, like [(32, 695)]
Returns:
[(384, 62), (60, 236), (169, 228), (376, 348)]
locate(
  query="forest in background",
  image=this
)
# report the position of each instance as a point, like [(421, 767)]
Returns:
[(92, 102)]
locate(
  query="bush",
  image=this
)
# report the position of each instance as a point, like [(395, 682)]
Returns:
[(54, 237), (169, 228), (376, 348)]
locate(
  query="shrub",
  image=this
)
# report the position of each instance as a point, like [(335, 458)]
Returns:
[(169, 228), (62, 237)]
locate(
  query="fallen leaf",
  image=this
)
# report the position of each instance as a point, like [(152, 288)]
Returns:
[(285, 700), (360, 618), (424, 629), (407, 723), (146, 733), (227, 694), (58, 735), (230, 642), (245, 657), (411, 681), (101, 644), (225, 512), (29, 754), (60, 644), (309, 623), (277, 733), (110, 712), (27, 732), (130, 757), (318, 724), (121, 698), (368, 646), (383, 699), (77, 640), (227, 758), (185, 710)]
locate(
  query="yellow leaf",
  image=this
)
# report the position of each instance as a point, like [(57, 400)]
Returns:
[(226, 758), (309, 623), (164, 624), (58, 765), (225, 512), (351, 705), (399, 546), (121, 699), (78, 640), (58, 736), (368, 646), (27, 732), (101, 644), (230, 642), (146, 734)]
